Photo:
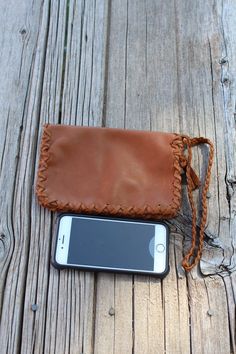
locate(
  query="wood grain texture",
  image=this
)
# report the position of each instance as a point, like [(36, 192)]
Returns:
[(160, 65), (22, 73)]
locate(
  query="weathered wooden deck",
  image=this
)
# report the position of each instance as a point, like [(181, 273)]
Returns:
[(161, 65)]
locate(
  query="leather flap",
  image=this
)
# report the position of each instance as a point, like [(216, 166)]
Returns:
[(109, 171)]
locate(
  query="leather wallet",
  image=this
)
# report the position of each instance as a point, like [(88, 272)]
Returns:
[(117, 172)]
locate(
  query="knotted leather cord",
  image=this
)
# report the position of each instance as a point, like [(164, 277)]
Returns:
[(194, 254)]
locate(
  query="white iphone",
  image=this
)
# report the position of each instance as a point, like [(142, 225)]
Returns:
[(111, 244)]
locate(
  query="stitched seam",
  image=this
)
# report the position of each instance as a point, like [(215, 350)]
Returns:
[(147, 211), (43, 165)]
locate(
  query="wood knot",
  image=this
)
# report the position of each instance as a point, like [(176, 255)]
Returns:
[(210, 312), (34, 307)]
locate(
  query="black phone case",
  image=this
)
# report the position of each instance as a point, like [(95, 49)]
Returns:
[(84, 268)]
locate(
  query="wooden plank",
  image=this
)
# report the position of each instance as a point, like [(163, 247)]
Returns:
[(36, 300), (17, 37), (34, 329), (228, 74), (209, 315), (148, 315), (201, 108), (115, 99), (230, 285), (200, 43), (113, 326), (83, 89), (20, 99), (176, 303), (151, 67)]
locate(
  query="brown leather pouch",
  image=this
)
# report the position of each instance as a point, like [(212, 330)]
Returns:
[(116, 172)]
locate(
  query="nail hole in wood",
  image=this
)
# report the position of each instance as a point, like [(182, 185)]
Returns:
[(34, 307), (112, 311)]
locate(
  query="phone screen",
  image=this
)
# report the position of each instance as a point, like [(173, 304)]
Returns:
[(111, 244)]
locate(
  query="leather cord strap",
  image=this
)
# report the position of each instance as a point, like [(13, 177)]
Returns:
[(194, 254)]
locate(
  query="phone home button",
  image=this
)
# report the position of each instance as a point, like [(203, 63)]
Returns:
[(160, 248)]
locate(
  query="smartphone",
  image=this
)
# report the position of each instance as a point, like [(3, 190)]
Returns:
[(111, 244)]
